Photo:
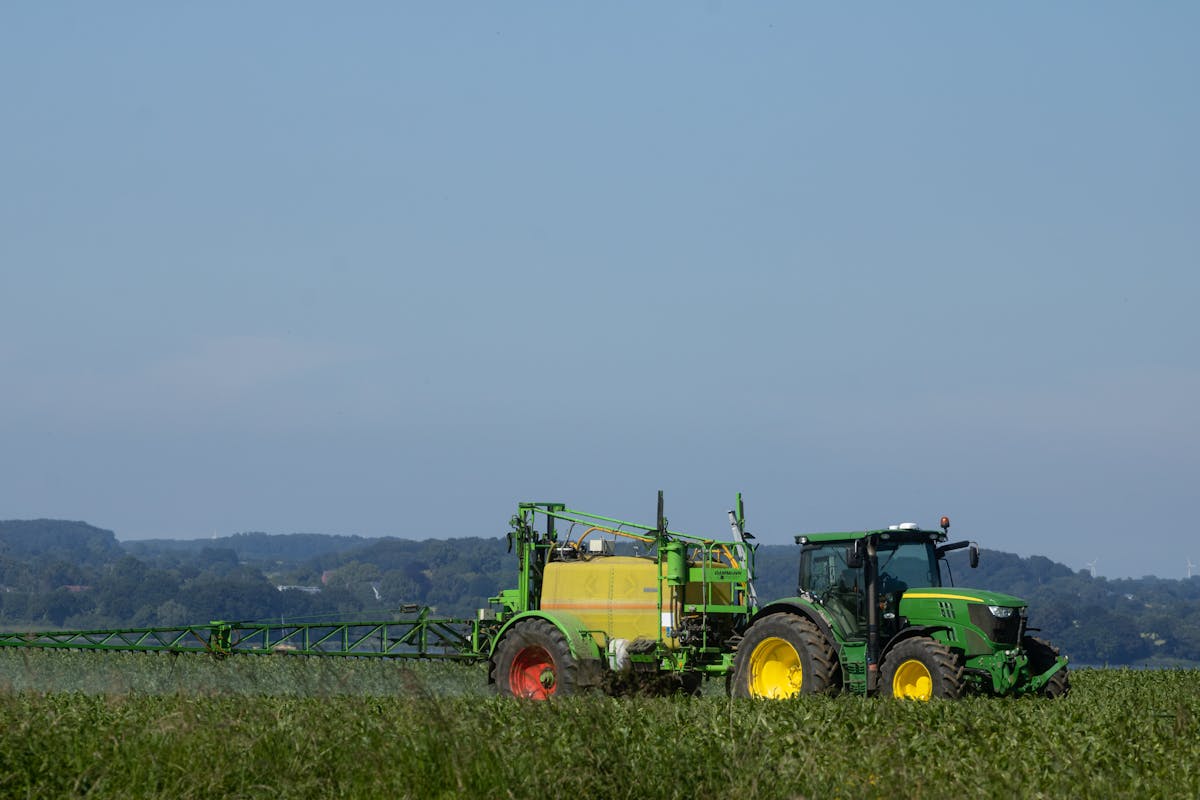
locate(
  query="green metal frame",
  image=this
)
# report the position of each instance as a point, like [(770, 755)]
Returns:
[(420, 637)]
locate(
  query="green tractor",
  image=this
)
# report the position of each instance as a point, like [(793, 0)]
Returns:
[(873, 616)]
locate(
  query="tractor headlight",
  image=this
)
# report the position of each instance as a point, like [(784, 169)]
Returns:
[(1001, 612)]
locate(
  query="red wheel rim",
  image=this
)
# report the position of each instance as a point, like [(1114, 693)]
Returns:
[(532, 674)]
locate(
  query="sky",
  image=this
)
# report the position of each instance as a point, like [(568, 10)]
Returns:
[(388, 269)]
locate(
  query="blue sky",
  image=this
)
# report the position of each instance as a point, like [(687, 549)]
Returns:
[(389, 270)]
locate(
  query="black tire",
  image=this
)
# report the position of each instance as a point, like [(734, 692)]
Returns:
[(783, 655), (921, 669), (1042, 656), (534, 661)]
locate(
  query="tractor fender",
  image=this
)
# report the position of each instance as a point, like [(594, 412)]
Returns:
[(805, 608), (908, 633), (583, 646)]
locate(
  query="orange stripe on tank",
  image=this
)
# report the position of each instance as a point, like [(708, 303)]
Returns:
[(614, 604)]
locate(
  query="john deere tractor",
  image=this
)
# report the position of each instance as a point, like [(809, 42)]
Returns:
[(873, 615)]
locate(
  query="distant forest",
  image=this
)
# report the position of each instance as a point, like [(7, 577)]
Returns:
[(71, 575)]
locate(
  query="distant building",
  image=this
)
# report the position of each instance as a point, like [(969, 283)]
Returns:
[(305, 589)]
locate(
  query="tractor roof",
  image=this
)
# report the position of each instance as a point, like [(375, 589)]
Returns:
[(896, 532)]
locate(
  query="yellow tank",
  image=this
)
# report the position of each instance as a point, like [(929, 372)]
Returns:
[(614, 594), (619, 596)]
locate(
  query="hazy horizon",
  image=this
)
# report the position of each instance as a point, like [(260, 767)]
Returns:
[(390, 269)]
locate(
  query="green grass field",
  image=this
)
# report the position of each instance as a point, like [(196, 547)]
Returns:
[(130, 725)]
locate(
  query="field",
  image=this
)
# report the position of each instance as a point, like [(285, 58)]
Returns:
[(132, 725)]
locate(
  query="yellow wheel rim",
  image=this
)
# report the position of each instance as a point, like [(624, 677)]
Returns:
[(775, 670), (912, 681)]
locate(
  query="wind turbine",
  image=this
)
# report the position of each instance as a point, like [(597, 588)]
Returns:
[(1190, 567), (1091, 565)]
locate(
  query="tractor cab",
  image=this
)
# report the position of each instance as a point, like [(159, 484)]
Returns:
[(834, 571), (861, 577)]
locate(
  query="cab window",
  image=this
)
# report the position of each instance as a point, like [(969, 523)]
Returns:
[(825, 574)]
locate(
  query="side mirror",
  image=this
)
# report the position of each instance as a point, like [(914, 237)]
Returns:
[(973, 555), (854, 556)]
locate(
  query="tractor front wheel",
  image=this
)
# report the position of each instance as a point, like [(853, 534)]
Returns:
[(1042, 656), (921, 669), (534, 661), (783, 655)]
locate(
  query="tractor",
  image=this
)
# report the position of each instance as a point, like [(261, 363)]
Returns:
[(873, 615)]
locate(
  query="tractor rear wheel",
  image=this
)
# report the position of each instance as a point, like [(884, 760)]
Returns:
[(921, 669), (783, 655), (534, 661), (1042, 656)]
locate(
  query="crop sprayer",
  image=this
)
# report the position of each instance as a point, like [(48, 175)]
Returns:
[(605, 603)]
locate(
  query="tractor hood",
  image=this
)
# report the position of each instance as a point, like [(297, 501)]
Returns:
[(915, 596), (981, 622)]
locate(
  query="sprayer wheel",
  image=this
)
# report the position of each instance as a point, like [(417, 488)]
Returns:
[(534, 661)]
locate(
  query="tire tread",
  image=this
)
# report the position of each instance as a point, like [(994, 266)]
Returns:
[(822, 661), (535, 632)]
